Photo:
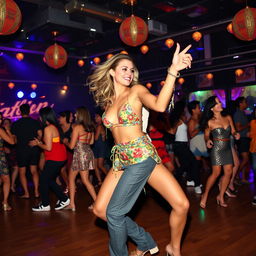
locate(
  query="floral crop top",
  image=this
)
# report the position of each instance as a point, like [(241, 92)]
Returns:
[(126, 117)]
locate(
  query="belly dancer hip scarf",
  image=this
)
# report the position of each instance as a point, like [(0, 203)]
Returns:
[(133, 152)]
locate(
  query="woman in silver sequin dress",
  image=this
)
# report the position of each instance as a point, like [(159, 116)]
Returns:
[(83, 159), (217, 129)]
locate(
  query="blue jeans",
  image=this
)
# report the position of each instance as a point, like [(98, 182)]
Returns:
[(124, 197)]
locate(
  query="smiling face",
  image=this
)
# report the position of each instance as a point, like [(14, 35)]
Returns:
[(218, 106), (123, 74)]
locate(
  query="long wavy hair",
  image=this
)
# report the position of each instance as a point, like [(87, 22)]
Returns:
[(207, 113), (83, 117), (101, 83), (47, 114)]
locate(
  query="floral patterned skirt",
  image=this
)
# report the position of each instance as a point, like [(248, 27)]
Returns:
[(3, 163), (133, 152)]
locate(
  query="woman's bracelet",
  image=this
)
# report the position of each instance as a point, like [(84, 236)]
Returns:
[(171, 74)]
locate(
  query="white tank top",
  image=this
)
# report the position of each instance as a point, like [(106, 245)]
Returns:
[(181, 133)]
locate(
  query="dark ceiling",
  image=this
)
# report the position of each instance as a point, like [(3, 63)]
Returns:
[(182, 18)]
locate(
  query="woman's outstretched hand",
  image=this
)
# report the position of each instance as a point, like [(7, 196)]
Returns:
[(181, 60)]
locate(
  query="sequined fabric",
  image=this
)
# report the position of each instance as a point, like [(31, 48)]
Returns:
[(221, 153), (3, 163)]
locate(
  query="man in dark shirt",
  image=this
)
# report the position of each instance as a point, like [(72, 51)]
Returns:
[(243, 144), (26, 129)]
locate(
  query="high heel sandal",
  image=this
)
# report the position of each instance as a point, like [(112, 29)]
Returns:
[(151, 251), (229, 193), (168, 252), (6, 207), (222, 204), (202, 205)]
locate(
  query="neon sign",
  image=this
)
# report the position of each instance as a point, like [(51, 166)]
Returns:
[(14, 111)]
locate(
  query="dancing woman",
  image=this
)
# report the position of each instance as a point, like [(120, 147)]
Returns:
[(135, 160), (220, 128)]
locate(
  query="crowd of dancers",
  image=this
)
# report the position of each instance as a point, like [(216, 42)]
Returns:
[(180, 146)]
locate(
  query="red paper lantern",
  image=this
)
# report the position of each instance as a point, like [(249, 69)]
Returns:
[(144, 49), (244, 24), (19, 56), (133, 31), (169, 43), (162, 83), (10, 17), (109, 56), (96, 60), (197, 36), (11, 85), (80, 63), (149, 85), (56, 56), (33, 86)]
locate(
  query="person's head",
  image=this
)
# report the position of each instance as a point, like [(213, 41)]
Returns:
[(241, 103), (48, 116), (177, 113), (24, 109), (6, 123), (212, 107), (65, 117), (118, 70), (194, 107), (83, 117)]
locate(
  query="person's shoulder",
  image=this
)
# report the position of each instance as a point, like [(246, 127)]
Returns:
[(138, 87)]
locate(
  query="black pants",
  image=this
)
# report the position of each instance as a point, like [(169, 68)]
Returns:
[(48, 181), (188, 162)]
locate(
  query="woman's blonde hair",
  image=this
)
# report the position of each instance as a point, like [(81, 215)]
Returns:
[(101, 82)]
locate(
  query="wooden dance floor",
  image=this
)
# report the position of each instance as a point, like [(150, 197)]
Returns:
[(210, 232)]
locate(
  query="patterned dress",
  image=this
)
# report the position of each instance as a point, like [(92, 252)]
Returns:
[(3, 163)]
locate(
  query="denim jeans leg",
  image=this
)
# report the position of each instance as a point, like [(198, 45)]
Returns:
[(125, 195)]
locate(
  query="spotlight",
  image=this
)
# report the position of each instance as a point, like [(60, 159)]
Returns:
[(20, 94), (32, 95)]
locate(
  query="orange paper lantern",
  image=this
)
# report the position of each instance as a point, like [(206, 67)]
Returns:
[(197, 36), (181, 80), (244, 24), (33, 86), (149, 85), (230, 28), (11, 85), (56, 56), (109, 56), (10, 17), (124, 52), (96, 60), (65, 87), (19, 56), (209, 76), (169, 43), (239, 72), (80, 63), (133, 31), (162, 83), (144, 49)]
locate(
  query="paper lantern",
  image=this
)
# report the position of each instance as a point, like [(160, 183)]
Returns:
[(96, 60), (149, 85), (230, 28), (11, 85), (181, 80), (56, 56), (239, 72), (19, 56), (10, 17), (162, 83), (209, 76), (65, 87), (124, 52), (133, 31), (144, 49), (244, 24), (109, 56), (169, 43), (33, 86), (80, 63), (197, 36)]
